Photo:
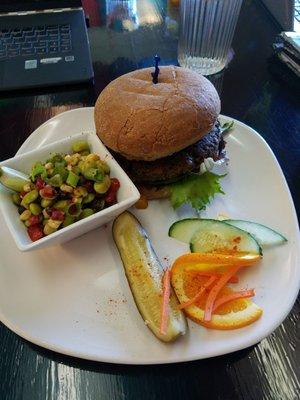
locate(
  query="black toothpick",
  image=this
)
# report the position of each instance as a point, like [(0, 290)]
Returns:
[(156, 72)]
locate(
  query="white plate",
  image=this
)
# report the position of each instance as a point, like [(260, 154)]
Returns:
[(74, 298)]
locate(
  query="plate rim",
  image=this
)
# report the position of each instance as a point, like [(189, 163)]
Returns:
[(174, 358)]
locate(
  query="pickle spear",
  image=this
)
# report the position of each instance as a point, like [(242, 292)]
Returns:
[(144, 274)]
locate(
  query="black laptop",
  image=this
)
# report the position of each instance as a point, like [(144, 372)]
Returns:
[(43, 43)]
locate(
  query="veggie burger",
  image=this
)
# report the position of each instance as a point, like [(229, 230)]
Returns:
[(161, 133)]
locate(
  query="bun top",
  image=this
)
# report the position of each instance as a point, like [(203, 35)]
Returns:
[(146, 121)]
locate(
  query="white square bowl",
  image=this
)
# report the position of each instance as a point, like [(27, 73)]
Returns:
[(127, 194)]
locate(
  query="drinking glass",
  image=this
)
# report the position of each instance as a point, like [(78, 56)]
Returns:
[(206, 32)]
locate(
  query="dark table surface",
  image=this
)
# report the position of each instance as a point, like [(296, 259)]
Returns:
[(253, 90)]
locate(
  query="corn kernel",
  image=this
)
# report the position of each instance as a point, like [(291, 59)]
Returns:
[(80, 191), (27, 187), (76, 199), (49, 165), (48, 230), (92, 157), (66, 188), (75, 159), (25, 215), (54, 224), (68, 158)]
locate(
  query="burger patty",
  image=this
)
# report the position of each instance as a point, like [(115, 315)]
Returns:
[(172, 168)]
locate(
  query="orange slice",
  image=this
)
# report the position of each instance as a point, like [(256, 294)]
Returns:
[(188, 281)]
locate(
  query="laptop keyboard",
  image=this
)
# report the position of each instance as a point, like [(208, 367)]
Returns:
[(38, 40), (297, 10)]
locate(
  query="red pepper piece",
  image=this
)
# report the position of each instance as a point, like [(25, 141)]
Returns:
[(34, 219), (111, 196), (35, 232), (39, 183), (57, 215)]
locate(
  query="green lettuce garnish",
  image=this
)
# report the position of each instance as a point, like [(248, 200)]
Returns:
[(226, 127), (196, 190)]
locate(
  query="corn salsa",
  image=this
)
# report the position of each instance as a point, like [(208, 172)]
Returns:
[(65, 189)]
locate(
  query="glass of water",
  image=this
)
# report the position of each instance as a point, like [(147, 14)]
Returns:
[(206, 32)]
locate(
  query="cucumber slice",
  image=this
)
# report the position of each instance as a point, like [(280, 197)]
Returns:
[(210, 235), (184, 229), (262, 234), (144, 274), (217, 236)]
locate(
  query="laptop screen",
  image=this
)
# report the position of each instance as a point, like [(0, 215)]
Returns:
[(29, 5)]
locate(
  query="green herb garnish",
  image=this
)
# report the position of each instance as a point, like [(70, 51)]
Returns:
[(196, 190), (226, 127)]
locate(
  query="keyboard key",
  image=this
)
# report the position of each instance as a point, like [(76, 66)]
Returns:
[(5, 31), (26, 46), (53, 31), (69, 58), (65, 48), (51, 27), (27, 52), (27, 29), (13, 53), (28, 33), (13, 46), (65, 36), (30, 39), (19, 40), (41, 43), (16, 34), (53, 49), (7, 40), (2, 53), (41, 50), (53, 43), (29, 36), (41, 35), (65, 30), (53, 36), (65, 42)]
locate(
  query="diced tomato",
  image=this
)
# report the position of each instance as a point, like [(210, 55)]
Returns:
[(57, 215), (35, 232), (47, 192), (34, 219), (39, 183), (111, 196), (115, 184), (22, 194)]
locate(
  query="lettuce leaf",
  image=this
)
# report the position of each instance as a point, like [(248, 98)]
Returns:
[(226, 127), (196, 190)]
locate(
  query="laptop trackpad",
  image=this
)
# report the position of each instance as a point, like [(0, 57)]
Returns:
[(32, 70)]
